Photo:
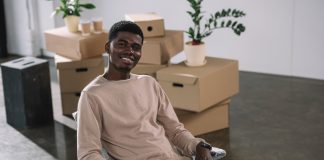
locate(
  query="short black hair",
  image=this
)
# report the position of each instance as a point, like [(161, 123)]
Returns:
[(124, 26)]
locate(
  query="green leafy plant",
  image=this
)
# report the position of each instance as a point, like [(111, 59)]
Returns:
[(72, 7), (220, 19)]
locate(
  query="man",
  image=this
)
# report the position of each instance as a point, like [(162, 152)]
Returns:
[(129, 115)]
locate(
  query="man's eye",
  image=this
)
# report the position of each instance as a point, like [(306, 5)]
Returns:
[(136, 47), (121, 44)]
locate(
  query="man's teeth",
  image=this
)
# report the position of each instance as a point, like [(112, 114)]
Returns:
[(127, 59)]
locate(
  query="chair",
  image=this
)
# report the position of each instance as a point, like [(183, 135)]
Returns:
[(216, 153)]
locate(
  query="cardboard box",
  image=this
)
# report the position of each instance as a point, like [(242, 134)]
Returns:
[(147, 69), (159, 50), (70, 102), (151, 24), (74, 45), (197, 88), (211, 119), (75, 75)]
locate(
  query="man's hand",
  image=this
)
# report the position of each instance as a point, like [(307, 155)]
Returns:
[(202, 153)]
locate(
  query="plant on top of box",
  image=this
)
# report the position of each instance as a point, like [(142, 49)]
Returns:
[(220, 19), (71, 12)]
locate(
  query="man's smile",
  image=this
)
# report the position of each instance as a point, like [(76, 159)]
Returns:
[(128, 59)]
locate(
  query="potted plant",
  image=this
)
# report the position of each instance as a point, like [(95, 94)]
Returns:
[(71, 12), (195, 48)]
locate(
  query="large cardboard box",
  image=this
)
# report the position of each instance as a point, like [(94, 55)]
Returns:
[(159, 50), (74, 45), (75, 75), (197, 88), (211, 119), (147, 69), (151, 24), (70, 102)]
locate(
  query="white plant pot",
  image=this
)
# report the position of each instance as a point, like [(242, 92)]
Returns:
[(72, 23), (195, 54)]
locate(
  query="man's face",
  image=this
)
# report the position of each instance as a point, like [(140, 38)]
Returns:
[(125, 51)]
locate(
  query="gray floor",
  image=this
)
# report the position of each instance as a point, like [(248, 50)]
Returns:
[(272, 118)]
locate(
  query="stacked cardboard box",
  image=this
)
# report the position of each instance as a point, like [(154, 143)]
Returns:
[(78, 60), (213, 118), (203, 92), (200, 95), (73, 45), (159, 46)]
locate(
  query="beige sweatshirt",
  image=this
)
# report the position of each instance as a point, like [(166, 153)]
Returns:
[(132, 119)]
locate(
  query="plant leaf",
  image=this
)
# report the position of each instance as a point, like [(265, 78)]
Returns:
[(191, 32), (199, 18), (229, 22), (222, 24), (87, 6), (233, 25), (217, 15), (190, 13)]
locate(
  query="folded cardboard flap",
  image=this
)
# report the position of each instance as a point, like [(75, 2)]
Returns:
[(159, 50), (148, 52), (151, 23), (84, 67), (147, 69), (93, 45), (182, 112), (63, 32), (143, 17), (63, 63), (211, 119), (174, 44), (171, 43), (74, 45), (198, 88), (178, 78)]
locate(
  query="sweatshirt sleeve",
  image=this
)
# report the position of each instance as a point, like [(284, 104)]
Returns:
[(89, 128), (175, 131)]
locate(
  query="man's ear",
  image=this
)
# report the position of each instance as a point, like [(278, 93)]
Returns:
[(107, 47)]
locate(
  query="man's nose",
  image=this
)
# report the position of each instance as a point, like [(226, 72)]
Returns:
[(130, 49)]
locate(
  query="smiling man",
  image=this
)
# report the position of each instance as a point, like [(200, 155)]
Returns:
[(129, 115)]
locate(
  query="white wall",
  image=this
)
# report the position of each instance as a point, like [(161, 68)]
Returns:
[(266, 44), (17, 25), (45, 22), (26, 21), (308, 40), (282, 37)]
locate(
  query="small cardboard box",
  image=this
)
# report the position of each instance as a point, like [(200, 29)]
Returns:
[(70, 102), (151, 24), (197, 88), (74, 45), (75, 75), (147, 69), (211, 119), (159, 50)]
